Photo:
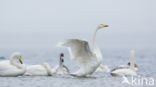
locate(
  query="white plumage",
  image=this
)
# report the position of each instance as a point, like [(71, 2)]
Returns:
[(102, 68), (128, 70), (38, 70), (11, 68), (61, 68), (80, 52), (123, 72)]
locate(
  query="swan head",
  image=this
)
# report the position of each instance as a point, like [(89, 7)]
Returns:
[(61, 57), (102, 26), (17, 55)]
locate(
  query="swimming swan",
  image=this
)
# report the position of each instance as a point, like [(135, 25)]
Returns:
[(38, 70), (126, 70), (61, 68), (79, 50), (11, 68)]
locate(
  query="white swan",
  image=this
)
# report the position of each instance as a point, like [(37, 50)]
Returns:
[(125, 70), (129, 63), (61, 68), (11, 68), (79, 50), (38, 70)]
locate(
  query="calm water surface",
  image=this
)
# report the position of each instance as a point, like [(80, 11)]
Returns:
[(145, 58)]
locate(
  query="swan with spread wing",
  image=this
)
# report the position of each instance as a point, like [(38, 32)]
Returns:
[(87, 60)]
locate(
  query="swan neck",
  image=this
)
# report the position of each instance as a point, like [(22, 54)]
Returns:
[(96, 50), (93, 39), (132, 60), (14, 63), (61, 61)]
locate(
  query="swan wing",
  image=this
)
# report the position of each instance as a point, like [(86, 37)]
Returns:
[(121, 71), (79, 50), (35, 70)]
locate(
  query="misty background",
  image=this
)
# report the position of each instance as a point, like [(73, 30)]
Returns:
[(39, 24), (34, 28)]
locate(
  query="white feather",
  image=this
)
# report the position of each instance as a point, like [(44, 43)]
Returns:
[(11, 68), (38, 70), (80, 52), (127, 70), (124, 72), (102, 68)]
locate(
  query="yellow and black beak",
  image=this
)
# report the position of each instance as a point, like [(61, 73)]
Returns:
[(20, 59), (104, 25)]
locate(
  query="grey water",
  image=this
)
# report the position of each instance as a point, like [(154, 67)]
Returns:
[(145, 58)]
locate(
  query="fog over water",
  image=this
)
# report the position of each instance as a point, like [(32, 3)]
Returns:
[(35, 27), (36, 23)]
